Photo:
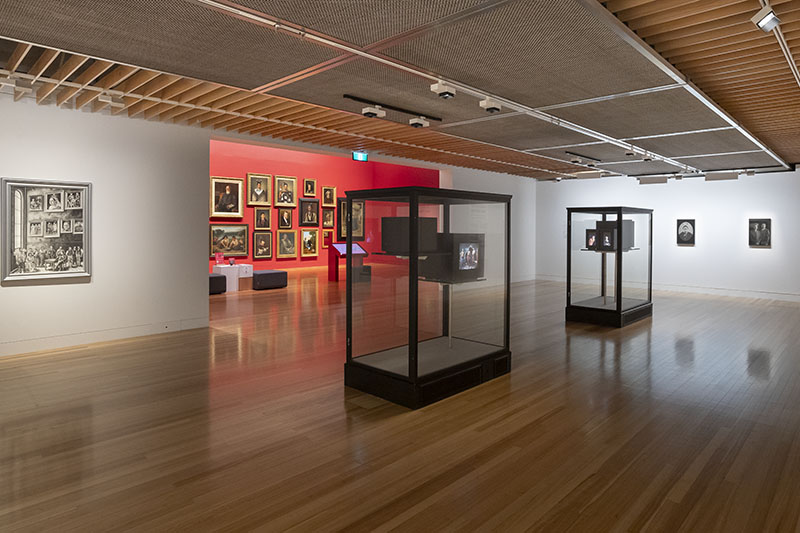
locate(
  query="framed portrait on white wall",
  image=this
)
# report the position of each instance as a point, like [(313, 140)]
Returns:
[(42, 237)]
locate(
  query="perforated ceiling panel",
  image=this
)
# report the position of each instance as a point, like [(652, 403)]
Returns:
[(641, 168), (176, 37), (360, 22), (373, 81), (644, 114), (726, 162), (712, 142), (520, 131), (602, 152), (537, 52)]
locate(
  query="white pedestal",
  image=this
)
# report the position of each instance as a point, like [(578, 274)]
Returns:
[(231, 273), (245, 271)]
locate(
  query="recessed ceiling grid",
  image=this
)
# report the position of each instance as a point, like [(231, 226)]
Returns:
[(169, 98), (723, 53)]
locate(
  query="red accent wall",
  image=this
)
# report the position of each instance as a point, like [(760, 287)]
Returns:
[(235, 160)]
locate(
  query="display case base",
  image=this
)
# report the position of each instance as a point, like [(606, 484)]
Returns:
[(429, 388), (606, 317)]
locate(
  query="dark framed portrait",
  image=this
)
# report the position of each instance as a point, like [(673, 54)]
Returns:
[(309, 187), (259, 189), (284, 218), (229, 239), (309, 243), (606, 240), (226, 197), (262, 245), (327, 237), (54, 202), (329, 197), (591, 239), (308, 212), (285, 191), (759, 232), (287, 244), (686, 230), (261, 218), (358, 220), (328, 217)]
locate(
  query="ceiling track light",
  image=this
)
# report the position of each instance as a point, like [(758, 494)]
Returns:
[(443, 90), (373, 112), (418, 122), (491, 105), (766, 20)]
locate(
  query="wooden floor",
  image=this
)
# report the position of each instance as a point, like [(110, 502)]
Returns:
[(689, 421)]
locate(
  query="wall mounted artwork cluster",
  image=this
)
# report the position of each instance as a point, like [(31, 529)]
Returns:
[(759, 232), (314, 218)]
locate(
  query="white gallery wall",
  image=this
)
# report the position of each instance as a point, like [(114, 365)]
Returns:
[(721, 262), (149, 225)]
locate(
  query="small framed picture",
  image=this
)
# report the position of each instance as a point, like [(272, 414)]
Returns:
[(52, 229), (229, 239), (262, 245), (226, 198), (686, 229), (54, 203), (36, 229), (285, 191), (358, 220), (66, 226), (328, 218), (284, 218), (309, 187), (329, 197), (261, 218), (77, 227), (309, 212), (259, 189), (287, 244), (309, 243), (327, 237), (36, 202), (74, 200), (605, 240), (759, 232), (591, 239)]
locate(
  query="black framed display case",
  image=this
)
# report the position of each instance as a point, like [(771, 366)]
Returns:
[(434, 318), (609, 265)]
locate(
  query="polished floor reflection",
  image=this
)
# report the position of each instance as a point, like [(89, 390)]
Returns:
[(689, 421)]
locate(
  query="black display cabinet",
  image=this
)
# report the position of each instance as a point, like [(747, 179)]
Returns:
[(434, 318), (609, 265)]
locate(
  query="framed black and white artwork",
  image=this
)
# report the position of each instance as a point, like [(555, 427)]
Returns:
[(760, 232), (686, 231), (46, 229)]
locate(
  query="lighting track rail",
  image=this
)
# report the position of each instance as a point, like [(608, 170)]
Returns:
[(389, 107)]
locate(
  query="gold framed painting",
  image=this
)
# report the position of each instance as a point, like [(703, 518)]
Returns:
[(328, 218), (285, 191), (226, 198), (286, 244), (259, 189), (309, 187), (309, 243), (329, 197), (229, 239), (262, 218), (326, 233), (262, 245)]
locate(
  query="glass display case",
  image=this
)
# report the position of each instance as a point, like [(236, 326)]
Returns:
[(609, 265), (433, 317)]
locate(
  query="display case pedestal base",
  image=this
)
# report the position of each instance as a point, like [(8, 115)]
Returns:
[(606, 317), (429, 388)]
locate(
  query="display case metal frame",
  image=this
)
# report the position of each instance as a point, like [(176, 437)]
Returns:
[(617, 317), (415, 390)]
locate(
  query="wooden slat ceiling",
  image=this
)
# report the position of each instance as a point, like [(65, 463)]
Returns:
[(715, 44), (76, 81)]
